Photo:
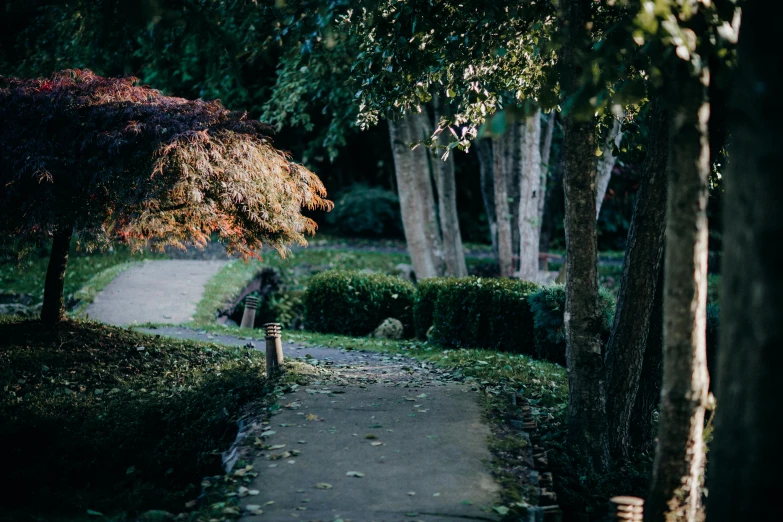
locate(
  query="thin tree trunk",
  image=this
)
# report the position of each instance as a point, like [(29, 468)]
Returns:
[(606, 163), (529, 196), (53, 309), (745, 457), (421, 129), (586, 397), (643, 257), (676, 487), (502, 215), (643, 427), (445, 182), (485, 157), (416, 200), (546, 152), (515, 137)]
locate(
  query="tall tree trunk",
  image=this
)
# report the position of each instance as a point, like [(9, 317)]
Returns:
[(586, 397), (515, 137), (676, 487), (606, 163), (546, 152), (648, 397), (643, 256), (529, 196), (53, 309), (485, 157), (500, 164), (604, 169), (745, 457), (417, 203), (453, 252)]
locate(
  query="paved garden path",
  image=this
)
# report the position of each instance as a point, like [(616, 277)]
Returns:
[(374, 437), (164, 291)]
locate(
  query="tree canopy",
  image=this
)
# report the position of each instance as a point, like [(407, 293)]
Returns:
[(120, 161)]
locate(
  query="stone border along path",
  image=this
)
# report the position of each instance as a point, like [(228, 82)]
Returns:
[(374, 438), (165, 291)]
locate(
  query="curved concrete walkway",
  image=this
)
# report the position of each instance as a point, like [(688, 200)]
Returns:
[(154, 292), (376, 438)]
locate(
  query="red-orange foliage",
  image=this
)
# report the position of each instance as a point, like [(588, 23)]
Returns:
[(119, 161)]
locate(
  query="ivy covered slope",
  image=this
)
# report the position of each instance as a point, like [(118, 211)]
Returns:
[(100, 418)]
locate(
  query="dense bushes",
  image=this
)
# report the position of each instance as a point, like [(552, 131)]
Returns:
[(424, 306), (367, 211), (548, 307), (355, 303), (478, 312)]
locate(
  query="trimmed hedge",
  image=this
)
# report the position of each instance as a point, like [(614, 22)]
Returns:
[(424, 306), (355, 303), (548, 308), (479, 312)]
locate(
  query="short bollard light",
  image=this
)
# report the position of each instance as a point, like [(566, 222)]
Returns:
[(626, 509), (249, 317), (274, 349)]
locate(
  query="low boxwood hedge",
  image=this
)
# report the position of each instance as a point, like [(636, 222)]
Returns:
[(424, 305), (479, 312), (355, 303), (548, 308)]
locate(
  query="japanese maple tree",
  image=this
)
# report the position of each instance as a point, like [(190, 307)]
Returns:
[(109, 160)]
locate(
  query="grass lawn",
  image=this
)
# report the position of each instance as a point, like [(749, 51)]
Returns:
[(87, 274), (104, 419)]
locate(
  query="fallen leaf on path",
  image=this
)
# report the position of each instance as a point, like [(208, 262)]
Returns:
[(422, 396), (268, 433), (276, 447), (411, 493), (356, 474), (323, 485), (370, 436), (376, 443), (253, 492), (311, 417)]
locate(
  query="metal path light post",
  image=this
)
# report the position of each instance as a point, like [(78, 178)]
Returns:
[(249, 317), (626, 509), (274, 349)]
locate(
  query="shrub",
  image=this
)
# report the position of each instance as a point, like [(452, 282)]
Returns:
[(548, 307), (355, 303), (367, 211), (484, 313), (424, 305)]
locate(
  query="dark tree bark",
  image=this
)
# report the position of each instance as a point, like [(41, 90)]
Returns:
[(745, 456), (484, 151), (586, 397), (643, 257), (648, 397), (53, 309), (678, 469)]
